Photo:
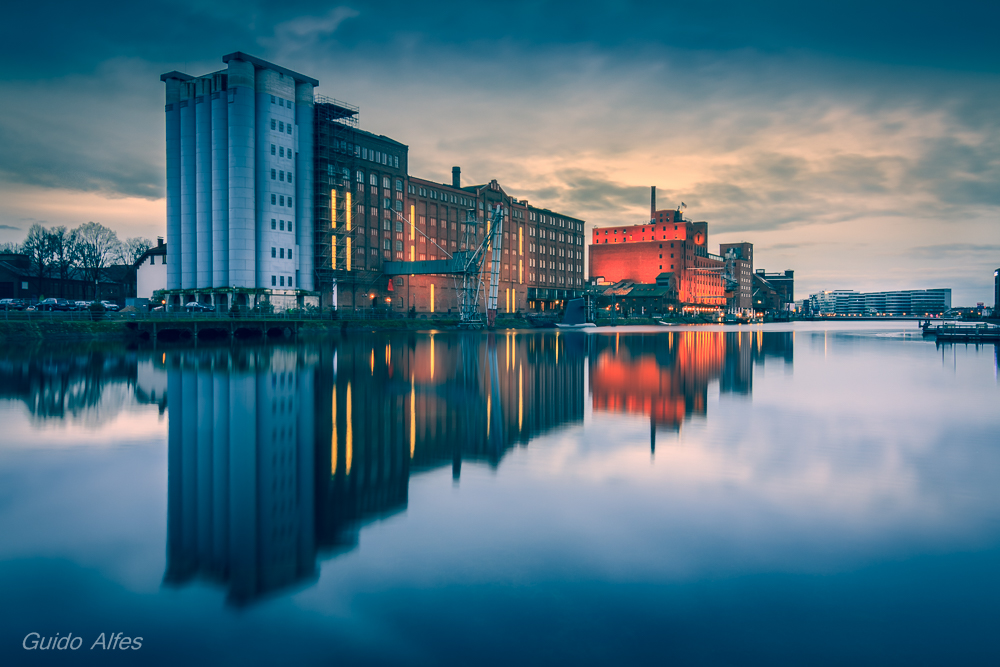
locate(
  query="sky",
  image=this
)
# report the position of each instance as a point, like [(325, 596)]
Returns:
[(853, 142)]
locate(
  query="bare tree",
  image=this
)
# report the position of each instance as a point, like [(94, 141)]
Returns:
[(61, 251), (131, 249), (36, 247), (95, 247), (11, 248)]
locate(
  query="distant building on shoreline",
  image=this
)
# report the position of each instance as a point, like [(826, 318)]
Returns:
[(901, 302), (996, 292), (671, 253)]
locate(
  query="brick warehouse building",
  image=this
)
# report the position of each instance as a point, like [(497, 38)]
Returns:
[(667, 250), (365, 201)]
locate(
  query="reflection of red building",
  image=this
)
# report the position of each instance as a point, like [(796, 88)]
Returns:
[(667, 250), (665, 377)]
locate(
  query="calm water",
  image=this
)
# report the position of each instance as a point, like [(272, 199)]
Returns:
[(816, 494)]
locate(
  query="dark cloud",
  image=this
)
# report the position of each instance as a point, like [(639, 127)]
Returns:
[(10, 227), (100, 133), (590, 191)]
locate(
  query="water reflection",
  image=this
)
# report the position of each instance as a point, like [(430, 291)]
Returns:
[(74, 382), (666, 376), (278, 455)]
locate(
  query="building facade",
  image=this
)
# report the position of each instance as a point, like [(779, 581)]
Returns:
[(783, 283), (996, 293), (239, 184), (151, 271), (739, 265), (666, 250), (275, 193), (902, 302)]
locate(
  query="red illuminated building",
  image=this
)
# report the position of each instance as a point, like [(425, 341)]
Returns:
[(668, 250)]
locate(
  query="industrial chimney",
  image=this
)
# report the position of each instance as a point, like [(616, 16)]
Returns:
[(652, 203), (456, 177)]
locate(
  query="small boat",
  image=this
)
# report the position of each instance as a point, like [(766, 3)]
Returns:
[(575, 316)]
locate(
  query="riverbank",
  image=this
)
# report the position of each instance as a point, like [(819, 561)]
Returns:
[(124, 330), (58, 330)]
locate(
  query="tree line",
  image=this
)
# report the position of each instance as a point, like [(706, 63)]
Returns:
[(61, 253)]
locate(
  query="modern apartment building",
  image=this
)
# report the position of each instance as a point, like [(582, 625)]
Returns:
[(902, 302)]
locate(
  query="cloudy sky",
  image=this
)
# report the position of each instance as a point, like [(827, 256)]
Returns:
[(854, 142)]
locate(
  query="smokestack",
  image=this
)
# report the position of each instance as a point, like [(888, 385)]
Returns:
[(456, 177), (652, 203)]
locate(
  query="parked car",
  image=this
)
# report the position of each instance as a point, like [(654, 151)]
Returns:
[(54, 304), (195, 307), (12, 304), (82, 305), (110, 306)]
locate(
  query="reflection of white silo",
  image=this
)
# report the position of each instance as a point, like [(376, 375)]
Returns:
[(239, 182), (241, 466)]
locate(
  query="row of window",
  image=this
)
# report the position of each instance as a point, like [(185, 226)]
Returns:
[(643, 229), (280, 253), (279, 281), (377, 156), (281, 126), (280, 224), (359, 176), (279, 200), (280, 175), (281, 101), (281, 151), (552, 220), (554, 279)]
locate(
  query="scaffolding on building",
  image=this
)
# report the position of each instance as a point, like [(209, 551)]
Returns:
[(334, 136)]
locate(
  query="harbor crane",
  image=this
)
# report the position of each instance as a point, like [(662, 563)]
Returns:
[(465, 266)]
